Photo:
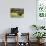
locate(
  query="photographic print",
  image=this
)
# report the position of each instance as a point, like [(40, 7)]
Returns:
[(41, 8), (17, 12)]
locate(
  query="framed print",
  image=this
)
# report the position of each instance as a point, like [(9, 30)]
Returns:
[(17, 12), (41, 8)]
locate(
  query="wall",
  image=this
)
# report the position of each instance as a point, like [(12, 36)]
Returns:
[(24, 24)]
